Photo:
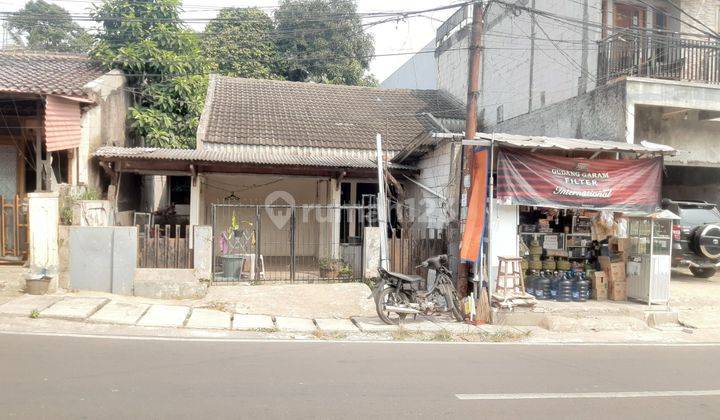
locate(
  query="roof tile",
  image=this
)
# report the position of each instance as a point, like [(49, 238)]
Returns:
[(46, 73), (280, 113)]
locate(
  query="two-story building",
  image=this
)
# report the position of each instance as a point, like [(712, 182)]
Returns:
[(626, 70)]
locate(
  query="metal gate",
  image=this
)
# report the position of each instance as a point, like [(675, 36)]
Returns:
[(289, 243), (13, 229)]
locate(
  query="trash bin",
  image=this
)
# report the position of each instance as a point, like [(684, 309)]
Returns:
[(232, 266)]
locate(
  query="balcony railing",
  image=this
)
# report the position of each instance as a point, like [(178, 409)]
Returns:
[(645, 54)]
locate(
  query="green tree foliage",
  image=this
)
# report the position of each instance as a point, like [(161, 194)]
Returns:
[(323, 41), (162, 58), (47, 27), (240, 43)]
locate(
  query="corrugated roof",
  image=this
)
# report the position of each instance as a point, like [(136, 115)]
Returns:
[(257, 155), (423, 144), (280, 113), (560, 143), (46, 73)]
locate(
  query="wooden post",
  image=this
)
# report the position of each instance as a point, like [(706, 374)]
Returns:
[(16, 234), (2, 225)]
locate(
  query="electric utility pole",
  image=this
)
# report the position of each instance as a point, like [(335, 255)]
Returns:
[(473, 92), (474, 72)]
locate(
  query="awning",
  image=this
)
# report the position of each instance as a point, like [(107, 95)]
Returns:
[(62, 123), (567, 144), (239, 158)]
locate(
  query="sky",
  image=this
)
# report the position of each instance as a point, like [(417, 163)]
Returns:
[(404, 36)]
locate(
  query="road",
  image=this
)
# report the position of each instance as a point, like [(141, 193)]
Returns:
[(75, 377)]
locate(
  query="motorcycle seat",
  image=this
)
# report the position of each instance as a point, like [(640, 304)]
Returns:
[(405, 277)]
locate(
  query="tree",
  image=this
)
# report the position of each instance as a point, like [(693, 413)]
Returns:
[(240, 43), (48, 27), (323, 41), (163, 61)]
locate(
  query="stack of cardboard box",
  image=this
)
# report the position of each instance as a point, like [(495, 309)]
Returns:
[(616, 279), (599, 285)]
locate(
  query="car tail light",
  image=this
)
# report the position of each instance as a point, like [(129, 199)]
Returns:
[(676, 232)]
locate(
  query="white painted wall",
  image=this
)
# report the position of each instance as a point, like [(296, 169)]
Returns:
[(436, 174), (44, 216), (517, 74), (419, 72), (504, 225)]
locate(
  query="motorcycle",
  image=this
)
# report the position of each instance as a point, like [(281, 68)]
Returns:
[(398, 295)]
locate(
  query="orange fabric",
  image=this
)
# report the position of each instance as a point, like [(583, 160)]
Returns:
[(470, 245)]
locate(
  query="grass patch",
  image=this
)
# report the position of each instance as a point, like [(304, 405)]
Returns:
[(35, 314), (221, 306), (266, 330), (504, 335), (402, 333), (442, 335)]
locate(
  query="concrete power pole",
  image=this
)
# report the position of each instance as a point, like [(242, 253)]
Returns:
[(473, 92), (474, 72)]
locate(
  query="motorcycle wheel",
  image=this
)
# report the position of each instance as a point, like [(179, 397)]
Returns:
[(452, 300), (390, 295)]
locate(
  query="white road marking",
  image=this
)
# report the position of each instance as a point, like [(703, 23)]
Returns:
[(579, 395)]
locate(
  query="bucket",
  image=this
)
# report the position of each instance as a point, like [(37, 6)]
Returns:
[(37, 285), (232, 266)]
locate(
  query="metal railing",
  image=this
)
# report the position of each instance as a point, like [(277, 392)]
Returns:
[(289, 243), (663, 56)]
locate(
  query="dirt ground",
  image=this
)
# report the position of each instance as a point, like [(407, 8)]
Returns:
[(697, 300)]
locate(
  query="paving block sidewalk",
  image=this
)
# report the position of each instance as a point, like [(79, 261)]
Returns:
[(125, 312)]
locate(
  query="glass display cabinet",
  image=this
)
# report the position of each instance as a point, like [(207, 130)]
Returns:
[(648, 266)]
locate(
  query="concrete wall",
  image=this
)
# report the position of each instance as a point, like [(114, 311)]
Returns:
[(667, 93), (530, 61), (419, 72), (44, 217), (437, 173), (597, 115), (690, 183), (695, 138), (452, 62), (706, 11), (104, 123)]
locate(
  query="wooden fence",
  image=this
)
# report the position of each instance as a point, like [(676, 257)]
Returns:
[(164, 247), (410, 247), (13, 230)]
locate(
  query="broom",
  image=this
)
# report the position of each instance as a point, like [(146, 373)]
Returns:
[(483, 303)]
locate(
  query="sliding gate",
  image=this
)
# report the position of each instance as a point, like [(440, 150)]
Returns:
[(289, 243)]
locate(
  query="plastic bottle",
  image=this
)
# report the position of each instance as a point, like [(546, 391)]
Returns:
[(575, 287), (583, 287), (542, 286), (554, 285), (564, 293), (530, 283)]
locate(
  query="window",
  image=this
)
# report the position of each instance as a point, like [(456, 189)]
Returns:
[(179, 189), (499, 115)]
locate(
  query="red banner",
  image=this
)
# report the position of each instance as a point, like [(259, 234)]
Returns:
[(553, 181)]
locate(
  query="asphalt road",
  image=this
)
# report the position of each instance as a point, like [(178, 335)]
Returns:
[(70, 377)]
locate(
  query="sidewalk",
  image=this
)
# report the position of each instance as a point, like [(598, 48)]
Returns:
[(97, 315), (343, 311), (128, 313)]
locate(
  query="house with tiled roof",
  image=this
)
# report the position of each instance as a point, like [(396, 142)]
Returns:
[(292, 165), (55, 110)]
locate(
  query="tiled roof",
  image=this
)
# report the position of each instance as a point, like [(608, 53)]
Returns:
[(249, 154), (46, 73), (280, 113)]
